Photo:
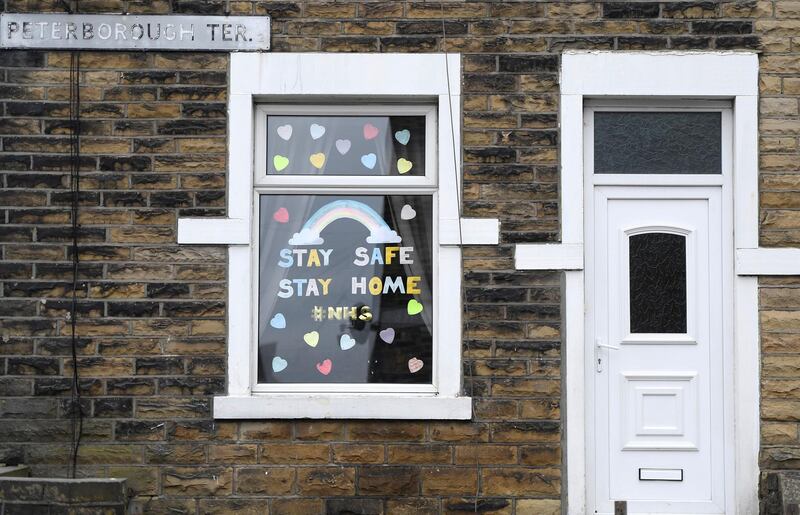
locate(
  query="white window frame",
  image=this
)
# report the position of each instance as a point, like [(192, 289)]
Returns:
[(636, 76), (348, 78), (351, 185)]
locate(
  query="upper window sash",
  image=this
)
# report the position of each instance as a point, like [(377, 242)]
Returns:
[(387, 182)]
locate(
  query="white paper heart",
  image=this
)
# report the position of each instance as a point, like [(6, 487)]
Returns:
[(347, 342), (415, 365), (343, 146), (285, 132), (317, 131), (407, 213)]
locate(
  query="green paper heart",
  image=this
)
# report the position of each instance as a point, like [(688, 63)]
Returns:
[(414, 307), (280, 162)]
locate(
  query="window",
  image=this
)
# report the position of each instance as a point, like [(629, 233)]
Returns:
[(657, 142), (657, 268), (346, 278), (344, 237), (379, 144)]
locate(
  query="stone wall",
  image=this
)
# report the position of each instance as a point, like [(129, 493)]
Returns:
[(35, 496), (779, 129), (152, 313)]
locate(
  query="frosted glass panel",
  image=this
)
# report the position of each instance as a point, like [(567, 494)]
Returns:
[(658, 142), (657, 264)]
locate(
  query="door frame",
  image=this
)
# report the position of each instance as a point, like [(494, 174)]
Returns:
[(668, 74), (692, 187), (657, 186)]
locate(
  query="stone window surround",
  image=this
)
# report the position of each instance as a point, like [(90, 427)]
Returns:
[(295, 77)]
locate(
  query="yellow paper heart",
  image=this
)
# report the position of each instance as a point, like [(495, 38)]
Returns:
[(404, 165), (317, 160), (311, 338)]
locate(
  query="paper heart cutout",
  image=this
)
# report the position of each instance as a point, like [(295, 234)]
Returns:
[(415, 365), (278, 321), (317, 131), (285, 132), (414, 307), (370, 131), (325, 367), (279, 364), (281, 215), (318, 160), (387, 335), (407, 213), (404, 165), (346, 342), (280, 162), (312, 338), (343, 146), (369, 160), (403, 136)]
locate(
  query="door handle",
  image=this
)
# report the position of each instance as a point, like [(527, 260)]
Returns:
[(598, 343)]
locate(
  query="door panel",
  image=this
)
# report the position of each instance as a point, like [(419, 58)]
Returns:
[(657, 342)]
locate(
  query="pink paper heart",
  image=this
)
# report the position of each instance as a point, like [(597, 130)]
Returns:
[(281, 215), (414, 365), (324, 368), (370, 131)]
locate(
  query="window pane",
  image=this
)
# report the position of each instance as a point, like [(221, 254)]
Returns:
[(345, 289), (657, 283), (658, 142), (346, 145)]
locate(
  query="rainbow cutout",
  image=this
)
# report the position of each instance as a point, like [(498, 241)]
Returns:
[(379, 230)]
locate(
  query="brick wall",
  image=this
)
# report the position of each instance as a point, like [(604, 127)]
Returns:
[(152, 313)]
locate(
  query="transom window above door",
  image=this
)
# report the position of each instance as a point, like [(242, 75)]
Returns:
[(689, 139)]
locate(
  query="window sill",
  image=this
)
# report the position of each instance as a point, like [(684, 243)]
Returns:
[(365, 406)]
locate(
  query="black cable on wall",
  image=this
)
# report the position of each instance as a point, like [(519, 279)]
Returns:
[(75, 188)]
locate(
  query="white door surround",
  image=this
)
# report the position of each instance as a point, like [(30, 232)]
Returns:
[(644, 76)]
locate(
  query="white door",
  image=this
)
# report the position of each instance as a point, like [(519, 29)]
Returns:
[(655, 330)]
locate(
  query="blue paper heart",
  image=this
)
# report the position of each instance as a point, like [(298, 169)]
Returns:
[(278, 321), (369, 160), (402, 136), (347, 342), (279, 364)]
